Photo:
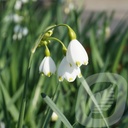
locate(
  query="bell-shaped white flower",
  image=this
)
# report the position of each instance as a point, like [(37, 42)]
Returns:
[(47, 66), (68, 72), (54, 116), (76, 54)]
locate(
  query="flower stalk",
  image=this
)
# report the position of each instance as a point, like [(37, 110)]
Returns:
[(24, 99), (68, 70)]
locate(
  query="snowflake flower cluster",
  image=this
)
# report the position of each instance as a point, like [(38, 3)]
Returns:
[(69, 67)]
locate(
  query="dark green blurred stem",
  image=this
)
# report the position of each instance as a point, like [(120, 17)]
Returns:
[(24, 98), (7, 121), (56, 39), (120, 51)]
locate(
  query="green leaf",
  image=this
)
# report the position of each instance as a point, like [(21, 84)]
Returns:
[(52, 105), (120, 51), (85, 85), (97, 59), (5, 109), (11, 108)]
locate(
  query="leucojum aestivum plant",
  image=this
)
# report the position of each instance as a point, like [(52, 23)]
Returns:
[(69, 68)]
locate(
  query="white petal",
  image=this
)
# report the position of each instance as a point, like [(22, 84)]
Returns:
[(66, 71), (17, 18), (17, 28), (25, 31), (76, 54), (41, 65), (78, 72), (18, 5), (54, 116), (47, 66)]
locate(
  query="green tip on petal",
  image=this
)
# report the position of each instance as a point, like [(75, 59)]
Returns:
[(70, 79), (49, 74), (60, 78), (70, 65), (78, 64), (80, 75), (85, 63)]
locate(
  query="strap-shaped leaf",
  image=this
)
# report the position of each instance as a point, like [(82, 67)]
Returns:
[(52, 105), (85, 85)]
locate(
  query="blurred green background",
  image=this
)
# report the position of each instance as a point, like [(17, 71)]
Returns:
[(21, 22)]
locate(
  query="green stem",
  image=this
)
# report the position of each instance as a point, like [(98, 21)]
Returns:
[(23, 102), (54, 26), (24, 99), (72, 34), (56, 39), (64, 49)]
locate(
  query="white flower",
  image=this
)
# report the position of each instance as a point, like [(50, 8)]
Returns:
[(68, 72), (2, 125), (47, 66), (76, 54), (18, 5), (17, 28), (19, 36), (25, 31), (14, 37), (17, 18), (54, 116)]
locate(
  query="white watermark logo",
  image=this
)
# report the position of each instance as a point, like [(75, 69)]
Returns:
[(111, 100)]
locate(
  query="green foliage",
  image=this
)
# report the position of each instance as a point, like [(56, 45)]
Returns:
[(107, 53)]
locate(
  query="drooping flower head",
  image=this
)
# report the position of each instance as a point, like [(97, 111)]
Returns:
[(76, 54), (47, 66), (68, 72)]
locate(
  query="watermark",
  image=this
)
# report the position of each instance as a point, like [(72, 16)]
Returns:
[(111, 100)]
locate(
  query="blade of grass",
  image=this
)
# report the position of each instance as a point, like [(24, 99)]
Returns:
[(85, 85), (52, 105), (49, 112), (5, 110), (11, 108), (120, 51), (95, 52)]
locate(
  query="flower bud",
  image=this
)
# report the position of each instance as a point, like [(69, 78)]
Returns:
[(48, 34), (54, 116)]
